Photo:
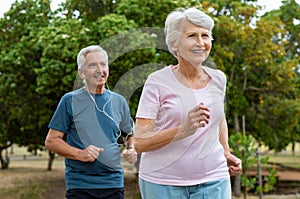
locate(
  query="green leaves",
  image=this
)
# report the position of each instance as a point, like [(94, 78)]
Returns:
[(260, 57)]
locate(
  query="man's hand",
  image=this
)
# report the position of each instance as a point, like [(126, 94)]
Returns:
[(131, 155), (89, 154), (234, 164)]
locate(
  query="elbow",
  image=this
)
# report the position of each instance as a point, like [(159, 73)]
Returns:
[(47, 144), (137, 145), (138, 150)]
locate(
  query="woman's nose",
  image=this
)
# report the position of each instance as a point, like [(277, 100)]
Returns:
[(200, 40)]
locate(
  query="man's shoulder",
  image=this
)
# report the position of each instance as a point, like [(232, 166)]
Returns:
[(117, 96), (70, 95)]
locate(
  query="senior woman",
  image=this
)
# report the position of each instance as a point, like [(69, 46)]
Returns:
[(181, 129)]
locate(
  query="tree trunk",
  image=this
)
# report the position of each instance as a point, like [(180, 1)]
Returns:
[(237, 178), (50, 160), (4, 161), (237, 127)]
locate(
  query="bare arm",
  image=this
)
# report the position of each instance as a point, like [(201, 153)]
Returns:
[(55, 143), (224, 136), (234, 164), (146, 139), (129, 152), (128, 142)]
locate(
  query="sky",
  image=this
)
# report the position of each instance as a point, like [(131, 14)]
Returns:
[(268, 5), (5, 5)]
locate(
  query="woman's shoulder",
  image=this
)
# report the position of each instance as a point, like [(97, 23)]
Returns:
[(215, 72), (161, 73)]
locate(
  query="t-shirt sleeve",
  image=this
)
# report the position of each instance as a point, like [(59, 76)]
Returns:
[(60, 120), (149, 103)]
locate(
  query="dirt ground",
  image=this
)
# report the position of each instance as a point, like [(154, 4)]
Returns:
[(58, 189), (54, 180)]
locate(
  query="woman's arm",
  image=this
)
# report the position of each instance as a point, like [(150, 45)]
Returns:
[(146, 139), (234, 163)]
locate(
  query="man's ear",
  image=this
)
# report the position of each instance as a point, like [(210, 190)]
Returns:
[(81, 74)]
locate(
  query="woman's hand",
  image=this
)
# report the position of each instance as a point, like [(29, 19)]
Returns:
[(198, 117), (234, 164)]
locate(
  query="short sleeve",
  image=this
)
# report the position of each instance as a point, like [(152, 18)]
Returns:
[(149, 101), (61, 118)]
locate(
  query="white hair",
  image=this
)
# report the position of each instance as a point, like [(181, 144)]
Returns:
[(83, 52), (175, 18)]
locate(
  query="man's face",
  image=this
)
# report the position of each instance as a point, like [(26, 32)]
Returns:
[(95, 70)]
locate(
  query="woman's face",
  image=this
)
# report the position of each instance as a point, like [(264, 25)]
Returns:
[(95, 70), (194, 44)]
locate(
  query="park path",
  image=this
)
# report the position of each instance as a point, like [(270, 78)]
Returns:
[(57, 190)]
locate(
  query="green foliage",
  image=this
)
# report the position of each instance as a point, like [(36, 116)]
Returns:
[(269, 181), (39, 48), (147, 13), (19, 123), (246, 148), (88, 10), (261, 72)]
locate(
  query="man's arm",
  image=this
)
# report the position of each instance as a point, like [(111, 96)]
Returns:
[(129, 152), (55, 143)]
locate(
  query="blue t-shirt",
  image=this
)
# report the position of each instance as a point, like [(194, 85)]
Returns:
[(86, 123)]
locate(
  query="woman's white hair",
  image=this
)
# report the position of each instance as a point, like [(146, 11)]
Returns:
[(83, 52), (175, 18)]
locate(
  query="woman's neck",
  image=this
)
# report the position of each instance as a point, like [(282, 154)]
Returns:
[(191, 76)]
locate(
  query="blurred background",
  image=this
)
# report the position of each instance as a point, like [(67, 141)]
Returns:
[(256, 44)]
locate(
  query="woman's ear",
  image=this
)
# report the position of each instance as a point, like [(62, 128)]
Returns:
[(173, 47)]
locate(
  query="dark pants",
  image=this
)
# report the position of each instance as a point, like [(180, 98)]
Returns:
[(113, 193)]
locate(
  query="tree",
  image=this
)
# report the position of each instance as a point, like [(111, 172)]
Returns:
[(254, 58), (245, 147), (245, 49), (19, 123), (38, 60)]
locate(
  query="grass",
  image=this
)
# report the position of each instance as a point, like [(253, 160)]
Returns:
[(293, 162), (26, 182), (27, 177)]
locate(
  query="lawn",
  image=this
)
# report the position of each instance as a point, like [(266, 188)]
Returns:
[(27, 177)]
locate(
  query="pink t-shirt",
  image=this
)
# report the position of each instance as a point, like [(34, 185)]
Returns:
[(195, 159)]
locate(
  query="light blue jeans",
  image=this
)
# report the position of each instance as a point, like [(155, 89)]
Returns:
[(220, 189)]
